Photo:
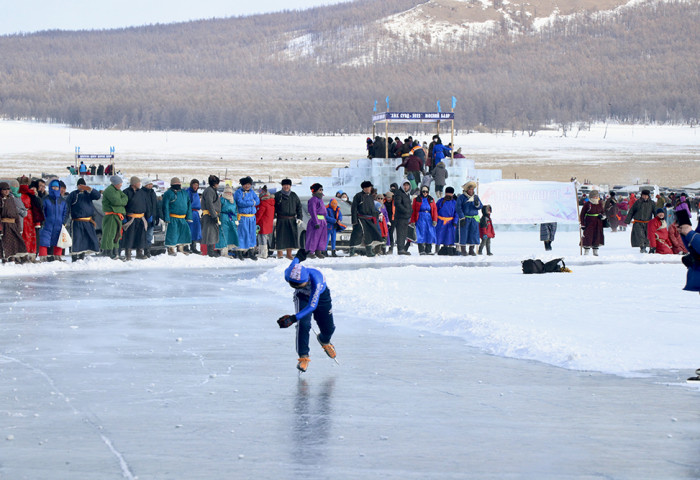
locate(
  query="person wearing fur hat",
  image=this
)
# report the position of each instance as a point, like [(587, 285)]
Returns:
[(640, 214), (402, 215), (265, 219), (137, 214), (365, 232), (34, 218), (657, 232), (312, 297), (196, 223), (425, 218), (446, 228), (246, 201), (11, 243), (211, 210), (468, 207), (591, 219), (316, 227), (113, 205), (288, 215), (177, 213), (82, 211), (154, 219), (228, 231)]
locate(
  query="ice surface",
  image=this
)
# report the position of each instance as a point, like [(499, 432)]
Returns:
[(174, 369)]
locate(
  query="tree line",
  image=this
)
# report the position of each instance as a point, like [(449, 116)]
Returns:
[(243, 74)]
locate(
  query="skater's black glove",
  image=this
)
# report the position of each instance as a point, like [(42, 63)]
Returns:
[(652, 250), (286, 321), (301, 255)]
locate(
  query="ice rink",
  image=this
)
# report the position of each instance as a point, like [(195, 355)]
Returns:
[(184, 374)]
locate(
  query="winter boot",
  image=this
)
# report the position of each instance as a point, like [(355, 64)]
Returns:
[(303, 363), (210, 250), (548, 245), (193, 248), (481, 248), (251, 254), (421, 249), (127, 255), (327, 347), (471, 251), (181, 249), (171, 251), (147, 252), (642, 249), (333, 254), (463, 250), (140, 255), (240, 254), (428, 248), (586, 250), (595, 251), (488, 249), (369, 252), (115, 254), (352, 252), (320, 254)]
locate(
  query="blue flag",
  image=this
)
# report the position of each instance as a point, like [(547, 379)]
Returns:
[(375, 106), (387, 104), (439, 110), (454, 102)]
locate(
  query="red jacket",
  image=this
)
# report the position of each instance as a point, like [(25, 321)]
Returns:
[(265, 215), (416, 208), (675, 237), (658, 236), (488, 230)]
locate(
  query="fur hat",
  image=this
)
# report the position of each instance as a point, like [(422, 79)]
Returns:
[(316, 187), (646, 192), (246, 181), (4, 186), (81, 181), (115, 180), (594, 194), (193, 181), (659, 210), (366, 184), (469, 184), (175, 181), (612, 193), (286, 181), (449, 190)]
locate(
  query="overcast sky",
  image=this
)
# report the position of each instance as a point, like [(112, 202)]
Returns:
[(34, 15)]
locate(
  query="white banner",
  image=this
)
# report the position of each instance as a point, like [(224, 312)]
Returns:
[(523, 201)]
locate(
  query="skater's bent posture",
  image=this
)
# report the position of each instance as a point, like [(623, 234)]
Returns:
[(311, 296)]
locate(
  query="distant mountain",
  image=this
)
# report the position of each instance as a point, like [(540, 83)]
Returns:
[(510, 66)]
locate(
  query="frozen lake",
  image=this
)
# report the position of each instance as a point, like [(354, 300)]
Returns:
[(111, 371)]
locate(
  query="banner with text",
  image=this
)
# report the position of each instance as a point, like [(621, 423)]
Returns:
[(523, 201)]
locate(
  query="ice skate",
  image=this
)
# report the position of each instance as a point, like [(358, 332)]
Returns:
[(303, 363), (327, 347)]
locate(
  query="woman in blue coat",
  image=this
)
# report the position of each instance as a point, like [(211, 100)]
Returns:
[(447, 223), (246, 201), (55, 216), (468, 208), (196, 205)]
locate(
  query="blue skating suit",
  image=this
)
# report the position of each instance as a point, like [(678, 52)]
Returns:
[(313, 299)]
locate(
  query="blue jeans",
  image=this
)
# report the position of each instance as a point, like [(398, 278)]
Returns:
[(323, 316)]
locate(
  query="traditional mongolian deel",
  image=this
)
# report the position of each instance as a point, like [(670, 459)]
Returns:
[(113, 205), (246, 201), (82, 212), (176, 213)]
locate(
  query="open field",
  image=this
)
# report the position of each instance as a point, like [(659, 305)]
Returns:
[(612, 154)]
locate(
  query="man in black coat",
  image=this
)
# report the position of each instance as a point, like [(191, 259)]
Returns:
[(154, 219), (288, 215), (365, 217), (137, 213), (402, 215)]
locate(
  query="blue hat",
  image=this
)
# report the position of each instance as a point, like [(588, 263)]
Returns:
[(296, 273)]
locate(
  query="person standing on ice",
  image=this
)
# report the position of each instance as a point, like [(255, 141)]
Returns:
[(228, 232), (316, 227), (82, 212), (246, 201), (468, 207), (211, 211), (691, 240), (177, 213), (334, 219), (486, 231), (446, 227), (402, 215), (11, 243), (137, 212), (640, 213), (424, 217), (265, 220), (56, 215), (311, 297), (195, 224), (113, 205), (289, 214), (591, 219), (364, 221)]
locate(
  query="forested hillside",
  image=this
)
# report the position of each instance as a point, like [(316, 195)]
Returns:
[(321, 70)]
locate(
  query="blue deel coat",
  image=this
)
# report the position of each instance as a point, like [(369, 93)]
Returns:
[(425, 232), (55, 214), (246, 203), (692, 243), (440, 151), (468, 213), (196, 205), (447, 222)]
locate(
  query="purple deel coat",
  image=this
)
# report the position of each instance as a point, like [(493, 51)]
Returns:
[(316, 238)]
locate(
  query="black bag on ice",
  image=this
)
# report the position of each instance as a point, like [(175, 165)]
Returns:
[(532, 266)]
